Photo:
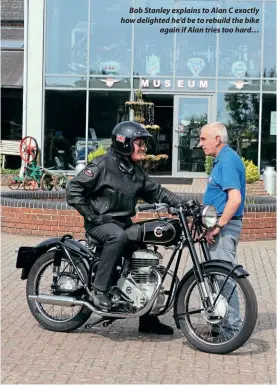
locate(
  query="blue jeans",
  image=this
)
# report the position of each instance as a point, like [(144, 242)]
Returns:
[(224, 248)]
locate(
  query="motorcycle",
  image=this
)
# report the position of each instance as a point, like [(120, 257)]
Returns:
[(60, 274)]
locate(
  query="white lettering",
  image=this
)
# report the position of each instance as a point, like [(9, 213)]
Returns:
[(203, 84), (181, 83), (144, 83), (156, 83)]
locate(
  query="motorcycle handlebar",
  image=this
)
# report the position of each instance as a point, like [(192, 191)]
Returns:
[(163, 206)]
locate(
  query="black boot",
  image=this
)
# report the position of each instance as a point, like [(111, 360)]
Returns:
[(101, 299), (152, 324)]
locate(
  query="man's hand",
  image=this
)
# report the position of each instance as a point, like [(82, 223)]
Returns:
[(211, 234)]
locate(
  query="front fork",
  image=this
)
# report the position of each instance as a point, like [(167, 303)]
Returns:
[(202, 282)]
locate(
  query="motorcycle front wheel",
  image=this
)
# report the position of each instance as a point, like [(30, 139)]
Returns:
[(234, 317), (55, 317)]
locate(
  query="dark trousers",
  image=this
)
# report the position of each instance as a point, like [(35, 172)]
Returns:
[(114, 240)]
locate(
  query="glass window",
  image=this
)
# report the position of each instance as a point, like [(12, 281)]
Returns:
[(106, 109), (11, 44), (240, 114), (153, 50), (240, 49), (270, 39), (66, 81), (110, 40), (196, 51), (65, 126), (66, 36), (268, 145)]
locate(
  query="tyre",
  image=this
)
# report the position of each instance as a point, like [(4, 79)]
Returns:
[(210, 334), (60, 182), (14, 184), (29, 183), (55, 317), (46, 182)]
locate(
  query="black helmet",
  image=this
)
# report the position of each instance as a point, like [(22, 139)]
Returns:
[(125, 133)]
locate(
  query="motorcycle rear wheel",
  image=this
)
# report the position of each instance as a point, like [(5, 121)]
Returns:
[(212, 346), (37, 309)]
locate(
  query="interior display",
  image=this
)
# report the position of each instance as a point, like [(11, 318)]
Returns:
[(144, 114)]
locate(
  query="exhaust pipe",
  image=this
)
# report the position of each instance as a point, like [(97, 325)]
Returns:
[(63, 300), (60, 300)]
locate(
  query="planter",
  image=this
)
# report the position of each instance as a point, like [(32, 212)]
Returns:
[(47, 214)]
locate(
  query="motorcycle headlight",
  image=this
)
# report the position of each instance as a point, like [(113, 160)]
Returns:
[(208, 216)]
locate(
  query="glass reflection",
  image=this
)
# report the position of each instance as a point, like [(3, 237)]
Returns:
[(268, 145), (270, 39), (106, 109), (110, 40), (240, 52), (66, 36), (240, 114), (196, 52), (153, 50), (65, 125)]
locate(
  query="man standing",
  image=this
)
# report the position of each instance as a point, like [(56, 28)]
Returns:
[(226, 192)]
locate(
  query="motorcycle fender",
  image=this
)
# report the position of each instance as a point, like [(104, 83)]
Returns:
[(239, 272), (27, 256)]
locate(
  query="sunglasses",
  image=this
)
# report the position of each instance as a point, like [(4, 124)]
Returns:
[(141, 144)]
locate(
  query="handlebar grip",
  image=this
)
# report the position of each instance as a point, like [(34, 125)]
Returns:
[(146, 206)]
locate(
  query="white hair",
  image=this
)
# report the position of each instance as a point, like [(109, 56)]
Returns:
[(218, 129)]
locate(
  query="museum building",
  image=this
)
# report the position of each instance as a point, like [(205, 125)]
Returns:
[(83, 63)]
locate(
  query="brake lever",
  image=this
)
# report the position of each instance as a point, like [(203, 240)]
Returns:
[(203, 235)]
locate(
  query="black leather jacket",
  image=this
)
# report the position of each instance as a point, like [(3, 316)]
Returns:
[(106, 190)]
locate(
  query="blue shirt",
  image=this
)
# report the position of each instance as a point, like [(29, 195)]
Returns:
[(228, 173)]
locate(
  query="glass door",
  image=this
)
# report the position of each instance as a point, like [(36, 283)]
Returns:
[(191, 113)]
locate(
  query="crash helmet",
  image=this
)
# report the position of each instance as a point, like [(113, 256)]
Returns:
[(125, 133)]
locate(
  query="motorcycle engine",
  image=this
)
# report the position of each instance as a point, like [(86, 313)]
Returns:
[(140, 285)]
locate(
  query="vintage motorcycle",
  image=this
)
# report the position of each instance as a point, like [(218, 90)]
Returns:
[(206, 301)]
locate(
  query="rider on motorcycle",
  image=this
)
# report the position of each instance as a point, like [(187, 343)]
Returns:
[(105, 193)]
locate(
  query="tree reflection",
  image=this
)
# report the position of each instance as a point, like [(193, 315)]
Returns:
[(243, 123)]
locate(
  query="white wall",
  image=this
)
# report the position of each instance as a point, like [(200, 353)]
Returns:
[(34, 69)]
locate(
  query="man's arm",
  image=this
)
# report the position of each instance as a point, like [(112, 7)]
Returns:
[(79, 186), (233, 203), (154, 192)]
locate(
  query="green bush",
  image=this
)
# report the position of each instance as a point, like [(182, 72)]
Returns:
[(251, 170), (98, 152), (209, 164), (9, 171)]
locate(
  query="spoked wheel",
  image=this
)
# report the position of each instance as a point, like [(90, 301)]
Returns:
[(46, 182), (14, 184), (60, 182), (28, 149), (234, 317), (29, 184), (55, 317)]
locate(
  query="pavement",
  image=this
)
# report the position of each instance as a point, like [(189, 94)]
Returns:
[(198, 186), (119, 353)]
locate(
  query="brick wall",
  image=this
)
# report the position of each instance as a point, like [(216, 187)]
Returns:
[(53, 223)]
